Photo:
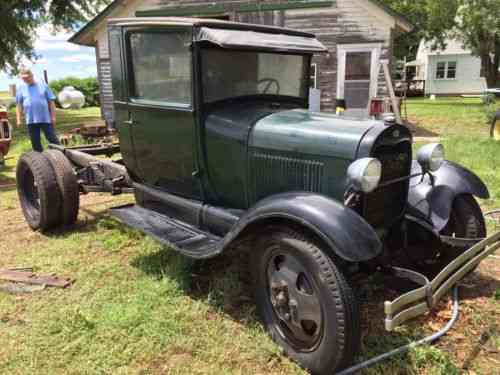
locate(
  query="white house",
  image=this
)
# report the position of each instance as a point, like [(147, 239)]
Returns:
[(452, 71)]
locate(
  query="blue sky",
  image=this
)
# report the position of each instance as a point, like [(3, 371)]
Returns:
[(58, 57)]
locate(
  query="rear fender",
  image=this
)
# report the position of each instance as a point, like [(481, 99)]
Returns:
[(347, 234), (434, 203)]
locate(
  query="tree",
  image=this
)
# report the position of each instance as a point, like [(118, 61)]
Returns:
[(476, 23), (478, 27), (20, 19), (430, 18)]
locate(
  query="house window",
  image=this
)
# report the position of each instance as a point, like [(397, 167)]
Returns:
[(314, 76), (446, 70), (161, 67), (452, 70)]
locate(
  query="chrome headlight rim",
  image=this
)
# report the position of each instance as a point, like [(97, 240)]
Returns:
[(364, 175), (431, 157)]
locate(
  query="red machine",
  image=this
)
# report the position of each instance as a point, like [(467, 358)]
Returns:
[(5, 134)]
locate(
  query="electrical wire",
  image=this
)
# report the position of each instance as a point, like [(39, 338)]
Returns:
[(412, 345)]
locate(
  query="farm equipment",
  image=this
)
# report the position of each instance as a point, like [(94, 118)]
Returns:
[(223, 156), (5, 134)]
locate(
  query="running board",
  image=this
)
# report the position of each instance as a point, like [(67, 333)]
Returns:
[(183, 237)]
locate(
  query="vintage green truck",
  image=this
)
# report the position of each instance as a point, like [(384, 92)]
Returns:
[(223, 156)]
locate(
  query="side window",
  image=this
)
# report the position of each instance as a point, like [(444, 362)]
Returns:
[(452, 70), (441, 70), (161, 67)]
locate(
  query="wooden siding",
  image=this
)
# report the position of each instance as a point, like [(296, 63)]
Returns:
[(345, 22), (105, 90)]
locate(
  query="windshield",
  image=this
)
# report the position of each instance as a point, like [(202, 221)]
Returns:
[(229, 74)]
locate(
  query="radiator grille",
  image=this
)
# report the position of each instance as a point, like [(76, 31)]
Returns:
[(386, 204), (274, 174)]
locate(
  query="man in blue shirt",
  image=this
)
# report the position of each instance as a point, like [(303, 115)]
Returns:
[(36, 101)]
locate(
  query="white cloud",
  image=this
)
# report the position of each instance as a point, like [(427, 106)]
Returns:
[(45, 45), (47, 40), (78, 58)]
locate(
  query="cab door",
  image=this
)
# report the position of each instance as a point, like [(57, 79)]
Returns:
[(160, 108)]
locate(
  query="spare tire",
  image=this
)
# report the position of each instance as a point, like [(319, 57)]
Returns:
[(68, 185), (38, 191)]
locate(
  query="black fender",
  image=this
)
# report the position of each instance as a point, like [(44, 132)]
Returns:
[(434, 203), (346, 233)]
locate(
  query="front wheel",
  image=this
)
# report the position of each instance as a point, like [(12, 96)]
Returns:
[(466, 221), (305, 301)]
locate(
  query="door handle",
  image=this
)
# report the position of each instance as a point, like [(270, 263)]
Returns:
[(130, 122)]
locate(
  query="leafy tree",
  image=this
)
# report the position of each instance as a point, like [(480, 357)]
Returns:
[(20, 18), (478, 26), (476, 23)]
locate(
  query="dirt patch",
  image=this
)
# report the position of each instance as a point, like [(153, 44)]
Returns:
[(418, 131)]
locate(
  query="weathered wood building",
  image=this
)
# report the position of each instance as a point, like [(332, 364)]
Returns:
[(358, 34)]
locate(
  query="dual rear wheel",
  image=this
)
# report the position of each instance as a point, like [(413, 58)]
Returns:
[(48, 189)]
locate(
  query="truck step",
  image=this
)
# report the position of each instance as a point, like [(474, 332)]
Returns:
[(183, 237)]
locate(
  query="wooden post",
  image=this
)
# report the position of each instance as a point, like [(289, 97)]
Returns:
[(392, 94)]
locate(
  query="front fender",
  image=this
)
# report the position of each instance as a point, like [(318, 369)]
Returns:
[(434, 203), (343, 230)]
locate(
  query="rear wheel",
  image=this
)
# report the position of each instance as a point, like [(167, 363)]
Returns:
[(38, 191), (466, 221), (68, 185), (304, 301)]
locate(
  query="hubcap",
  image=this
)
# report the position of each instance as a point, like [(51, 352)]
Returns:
[(295, 302)]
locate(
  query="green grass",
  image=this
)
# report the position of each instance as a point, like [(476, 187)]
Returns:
[(139, 308), (450, 116)]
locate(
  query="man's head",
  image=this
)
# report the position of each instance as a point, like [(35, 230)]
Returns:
[(27, 76)]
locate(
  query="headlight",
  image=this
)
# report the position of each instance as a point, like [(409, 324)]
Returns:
[(364, 174), (431, 157)]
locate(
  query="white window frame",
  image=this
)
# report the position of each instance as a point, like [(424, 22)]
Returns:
[(376, 51), (446, 67), (314, 68)]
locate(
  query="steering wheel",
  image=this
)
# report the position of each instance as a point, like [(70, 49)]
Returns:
[(269, 81)]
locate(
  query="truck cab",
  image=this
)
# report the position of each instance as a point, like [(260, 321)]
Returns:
[(223, 156)]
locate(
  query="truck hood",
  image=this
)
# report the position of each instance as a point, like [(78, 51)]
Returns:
[(303, 132)]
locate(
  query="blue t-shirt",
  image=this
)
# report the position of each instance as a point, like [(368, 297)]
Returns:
[(35, 101)]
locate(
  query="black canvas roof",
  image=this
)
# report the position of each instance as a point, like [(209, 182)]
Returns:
[(227, 34)]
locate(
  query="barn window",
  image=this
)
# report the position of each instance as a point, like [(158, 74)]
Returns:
[(446, 70), (314, 76)]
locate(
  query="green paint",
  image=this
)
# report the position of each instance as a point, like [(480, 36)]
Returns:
[(220, 9)]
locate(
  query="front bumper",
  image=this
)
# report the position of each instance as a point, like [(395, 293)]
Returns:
[(422, 300)]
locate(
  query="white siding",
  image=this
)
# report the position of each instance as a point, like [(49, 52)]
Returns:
[(468, 80)]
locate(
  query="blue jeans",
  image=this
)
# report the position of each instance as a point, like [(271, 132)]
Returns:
[(48, 131)]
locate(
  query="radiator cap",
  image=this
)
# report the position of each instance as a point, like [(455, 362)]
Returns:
[(389, 119)]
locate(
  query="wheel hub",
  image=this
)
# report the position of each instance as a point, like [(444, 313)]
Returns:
[(295, 301)]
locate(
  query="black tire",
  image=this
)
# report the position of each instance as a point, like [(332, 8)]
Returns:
[(330, 338), (68, 185), (466, 221), (38, 192)]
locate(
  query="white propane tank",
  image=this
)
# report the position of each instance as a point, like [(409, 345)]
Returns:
[(71, 98)]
